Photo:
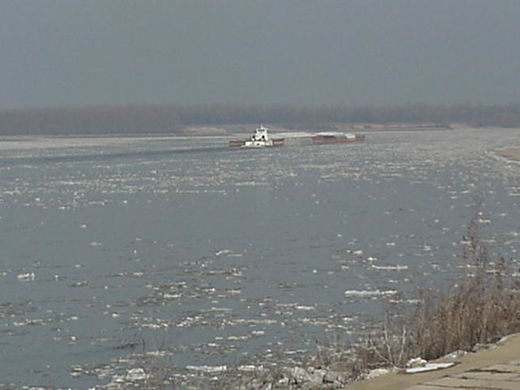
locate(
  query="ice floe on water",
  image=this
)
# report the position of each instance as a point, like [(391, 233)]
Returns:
[(396, 267), (27, 277), (207, 369), (369, 293)]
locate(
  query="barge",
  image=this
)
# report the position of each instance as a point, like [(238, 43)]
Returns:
[(260, 138)]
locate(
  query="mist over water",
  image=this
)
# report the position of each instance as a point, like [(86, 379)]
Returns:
[(117, 251)]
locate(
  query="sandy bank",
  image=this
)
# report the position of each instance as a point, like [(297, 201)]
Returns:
[(503, 353)]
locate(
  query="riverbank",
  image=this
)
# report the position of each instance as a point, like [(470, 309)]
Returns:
[(499, 363)]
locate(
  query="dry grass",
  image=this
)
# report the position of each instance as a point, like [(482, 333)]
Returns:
[(482, 308)]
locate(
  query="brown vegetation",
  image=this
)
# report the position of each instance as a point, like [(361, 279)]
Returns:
[(482, 308)]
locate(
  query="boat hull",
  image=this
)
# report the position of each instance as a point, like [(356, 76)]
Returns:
[(326, 139), (298, 141), (239, 143)]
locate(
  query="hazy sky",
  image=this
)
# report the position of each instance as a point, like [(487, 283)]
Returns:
[(94, 52)]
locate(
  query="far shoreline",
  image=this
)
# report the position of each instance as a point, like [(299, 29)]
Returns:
[(233, 130)]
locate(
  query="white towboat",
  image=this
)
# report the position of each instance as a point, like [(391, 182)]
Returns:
[(260, 139)]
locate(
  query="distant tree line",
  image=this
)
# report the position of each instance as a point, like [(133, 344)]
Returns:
[(134, 119)]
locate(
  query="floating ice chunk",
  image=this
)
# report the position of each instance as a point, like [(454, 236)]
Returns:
[(305, 308), (36, 321), (369, 293), (237, 338), (233, 254), (223, 252), (221, 309), (229, 253), (26, 277), (390, 267), (81, 283), (209, 369), (136, 374), (250, 368), (171, 296)]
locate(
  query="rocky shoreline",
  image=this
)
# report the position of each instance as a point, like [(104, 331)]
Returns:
[(467, 365), (338, 374)]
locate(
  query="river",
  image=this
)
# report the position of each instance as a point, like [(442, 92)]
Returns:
[(118, 252)]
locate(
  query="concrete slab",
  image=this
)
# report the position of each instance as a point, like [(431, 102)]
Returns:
[(475, 384), (487, 375), (504, 357), (504, 368)]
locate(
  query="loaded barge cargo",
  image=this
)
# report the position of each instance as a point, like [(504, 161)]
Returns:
[(261, 139)]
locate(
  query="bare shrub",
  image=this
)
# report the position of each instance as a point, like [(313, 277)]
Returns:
[(481, 308)]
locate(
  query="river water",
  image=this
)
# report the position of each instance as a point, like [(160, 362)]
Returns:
[(120, 252)]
